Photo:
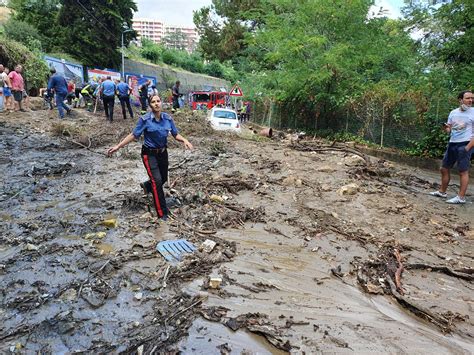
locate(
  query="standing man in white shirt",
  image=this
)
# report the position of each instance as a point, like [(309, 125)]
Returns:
[(460, 125), (3, 83)]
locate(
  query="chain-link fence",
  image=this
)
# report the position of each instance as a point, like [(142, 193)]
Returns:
[(400, 127)]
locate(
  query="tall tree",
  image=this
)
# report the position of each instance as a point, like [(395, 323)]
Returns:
[(224, 25), (176, 40), (446, 36), (42, 15), (93, 29)]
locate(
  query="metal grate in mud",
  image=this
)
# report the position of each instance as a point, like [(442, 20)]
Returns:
[(172, 250)]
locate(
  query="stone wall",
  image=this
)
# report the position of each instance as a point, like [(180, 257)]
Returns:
[(167, 77)]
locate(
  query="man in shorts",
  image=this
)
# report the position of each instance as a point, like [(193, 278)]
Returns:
[(7, 93), (460, 125), (18, 85)]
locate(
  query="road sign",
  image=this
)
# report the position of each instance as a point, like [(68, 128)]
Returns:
[(236, 91)]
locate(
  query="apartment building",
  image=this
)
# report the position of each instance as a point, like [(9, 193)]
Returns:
[(157, 31)]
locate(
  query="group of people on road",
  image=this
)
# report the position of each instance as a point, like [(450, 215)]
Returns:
[(13, 96), (106, 88)]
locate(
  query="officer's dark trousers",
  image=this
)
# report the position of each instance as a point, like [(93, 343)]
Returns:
[(156, 165), (109, 107), (125, 100)]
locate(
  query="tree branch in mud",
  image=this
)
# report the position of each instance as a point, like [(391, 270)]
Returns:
[(84, 146), (398, 272), (440, 321), (182, 162), (307, 146)]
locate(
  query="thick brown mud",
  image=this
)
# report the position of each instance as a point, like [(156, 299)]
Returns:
[(319, 247)]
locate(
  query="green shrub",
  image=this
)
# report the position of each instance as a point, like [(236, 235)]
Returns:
[(433, 144), (24, 33), (35, 70)]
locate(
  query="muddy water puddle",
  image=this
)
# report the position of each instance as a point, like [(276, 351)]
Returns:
[(206, 337)]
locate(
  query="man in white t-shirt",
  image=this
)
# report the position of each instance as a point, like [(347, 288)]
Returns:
[(460, 147), (3, 83)]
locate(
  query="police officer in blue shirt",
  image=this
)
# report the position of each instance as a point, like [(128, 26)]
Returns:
[(155, 126), (107, 88), (124, 91)]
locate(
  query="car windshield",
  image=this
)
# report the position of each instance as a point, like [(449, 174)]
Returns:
[(201, 97), (225, 114)]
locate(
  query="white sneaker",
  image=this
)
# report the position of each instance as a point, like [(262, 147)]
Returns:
[(456, 200), (439, 194)]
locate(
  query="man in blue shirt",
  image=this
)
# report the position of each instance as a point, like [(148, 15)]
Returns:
[(107, 88), (59, 85), (124, 91)]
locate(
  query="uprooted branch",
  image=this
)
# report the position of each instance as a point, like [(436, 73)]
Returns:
[(307, 146), (398, 272)]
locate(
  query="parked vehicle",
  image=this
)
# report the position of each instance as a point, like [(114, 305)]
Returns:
[(206, 100), (224, 119)]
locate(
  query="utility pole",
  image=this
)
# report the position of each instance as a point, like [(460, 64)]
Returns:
[(125, 30)]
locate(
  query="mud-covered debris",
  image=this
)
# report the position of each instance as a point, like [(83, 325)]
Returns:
[(350, 189), (216, 198), (213, 313), (96, 235), (94, 298), (272, 334), (109, 223), (208, 245), (51, 168), (215, 282), (31, 247), (69, 295), (325, 169), (224, 349), (354, 160)]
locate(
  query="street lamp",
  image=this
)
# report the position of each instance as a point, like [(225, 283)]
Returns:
[(125, 30)]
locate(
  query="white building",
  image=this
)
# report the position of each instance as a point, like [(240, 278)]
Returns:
[(156, 31)]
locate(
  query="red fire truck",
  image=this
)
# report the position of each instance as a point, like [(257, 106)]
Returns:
[(208, 99)]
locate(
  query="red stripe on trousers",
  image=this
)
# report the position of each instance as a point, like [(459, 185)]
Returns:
[(156, 199)]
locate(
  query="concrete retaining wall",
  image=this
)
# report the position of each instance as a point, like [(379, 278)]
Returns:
[(167, 77)]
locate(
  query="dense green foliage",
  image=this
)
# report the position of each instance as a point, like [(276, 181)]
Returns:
[(89, 30), (320, 64), (94, 29), (35, 69)]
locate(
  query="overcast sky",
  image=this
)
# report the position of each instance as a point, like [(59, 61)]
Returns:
[(180, 12), (172, 12)]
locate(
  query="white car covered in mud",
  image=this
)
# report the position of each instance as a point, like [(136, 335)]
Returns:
[(224, 119)]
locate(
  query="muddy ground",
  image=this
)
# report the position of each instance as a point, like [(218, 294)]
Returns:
[(319, 247)]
